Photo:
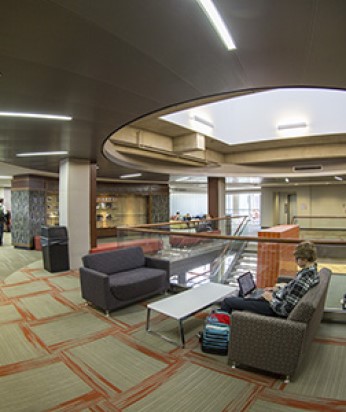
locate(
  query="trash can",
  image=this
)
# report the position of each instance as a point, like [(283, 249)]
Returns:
[(54, 242)]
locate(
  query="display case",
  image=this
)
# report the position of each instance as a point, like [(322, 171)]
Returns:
[(52, 209), (113, 211), (106, 207)]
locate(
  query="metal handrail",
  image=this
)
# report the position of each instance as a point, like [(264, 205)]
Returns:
[(316, 217), (241, 238)]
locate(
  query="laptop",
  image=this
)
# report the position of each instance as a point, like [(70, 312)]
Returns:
[(248, 288)]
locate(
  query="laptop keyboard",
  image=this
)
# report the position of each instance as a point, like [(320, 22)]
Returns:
[(256, 294)]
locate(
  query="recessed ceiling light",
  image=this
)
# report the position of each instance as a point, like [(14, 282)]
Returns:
[(287, 180), (217, 22), (339, 178), (41, 154), (36, 116), (130, 175)]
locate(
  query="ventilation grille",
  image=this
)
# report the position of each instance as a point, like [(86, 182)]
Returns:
[(307, 168)]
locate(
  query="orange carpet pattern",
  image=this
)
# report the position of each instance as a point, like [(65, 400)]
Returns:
[(58, 354)]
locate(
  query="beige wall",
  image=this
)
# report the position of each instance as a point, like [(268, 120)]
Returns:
[(324, 200)]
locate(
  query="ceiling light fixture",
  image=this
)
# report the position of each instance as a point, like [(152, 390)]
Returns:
[(295, 125), (339, 178), (29, 154), (203, 121), (181, 179), (130, 175), (287, 180), (36, 116), (217, 22), (5, 177)]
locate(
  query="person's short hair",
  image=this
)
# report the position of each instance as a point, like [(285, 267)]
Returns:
[(306, 250)]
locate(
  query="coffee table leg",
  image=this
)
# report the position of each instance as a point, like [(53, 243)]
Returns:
[(181, 331), (147, 328)]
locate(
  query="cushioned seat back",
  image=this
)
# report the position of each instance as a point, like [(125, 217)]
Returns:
[(115, 260), (313, 300)]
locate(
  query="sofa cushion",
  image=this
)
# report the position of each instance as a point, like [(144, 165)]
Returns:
[(115, 260), (132, 284)]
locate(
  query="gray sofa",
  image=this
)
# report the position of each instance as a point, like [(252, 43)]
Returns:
[(275, 344), (111, 280)]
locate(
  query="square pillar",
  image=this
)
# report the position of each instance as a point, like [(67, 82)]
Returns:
[(74, 207)]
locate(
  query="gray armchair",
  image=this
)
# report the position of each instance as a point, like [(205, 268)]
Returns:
[(275, 344), (111, 280)]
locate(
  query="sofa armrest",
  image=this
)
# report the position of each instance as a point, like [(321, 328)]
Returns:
[(157, 263), (95, 287), (269, 343)]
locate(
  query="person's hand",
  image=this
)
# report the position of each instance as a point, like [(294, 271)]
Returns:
[(268, 296), (271, 289)]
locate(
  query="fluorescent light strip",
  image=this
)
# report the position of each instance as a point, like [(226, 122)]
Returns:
[(202, 121), (339, 178), (36, 116), (217, 22), (5, 177), (29, 154), (291, 125), (130, 175)]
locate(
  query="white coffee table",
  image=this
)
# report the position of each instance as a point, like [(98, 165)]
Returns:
[(186, 304)]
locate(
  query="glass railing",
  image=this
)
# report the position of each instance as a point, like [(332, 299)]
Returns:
[(193, 258)]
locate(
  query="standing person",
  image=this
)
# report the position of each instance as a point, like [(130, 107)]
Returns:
[(280, 301), (3, 214)]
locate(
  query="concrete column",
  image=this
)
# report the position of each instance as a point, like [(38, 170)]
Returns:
[(74, 207)]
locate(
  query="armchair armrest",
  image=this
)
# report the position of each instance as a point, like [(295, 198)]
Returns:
[(269, 343), (95, 287)]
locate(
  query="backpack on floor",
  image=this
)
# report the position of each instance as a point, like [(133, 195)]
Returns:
[(216, 333)]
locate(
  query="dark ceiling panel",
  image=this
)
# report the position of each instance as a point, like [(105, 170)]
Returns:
[(272, 37), (326, 57), (110, 62), (173, 33)]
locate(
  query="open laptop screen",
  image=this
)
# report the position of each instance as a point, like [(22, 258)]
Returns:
[(246, 284)]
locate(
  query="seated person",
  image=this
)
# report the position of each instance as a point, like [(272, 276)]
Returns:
[(280, 301), (203, 227)]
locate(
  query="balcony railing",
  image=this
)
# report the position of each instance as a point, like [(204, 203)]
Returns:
[(194, 257)]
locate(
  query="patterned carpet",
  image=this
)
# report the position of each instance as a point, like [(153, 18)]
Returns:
[(57, 354)]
